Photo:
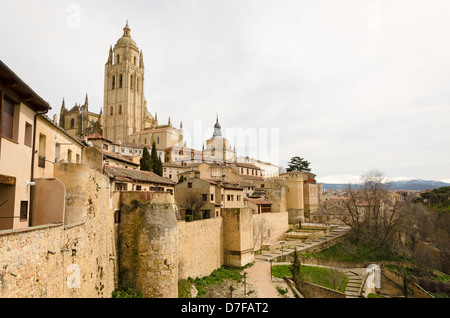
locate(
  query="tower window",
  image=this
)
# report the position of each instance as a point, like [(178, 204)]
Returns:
[(120, 109), (120, 81), (112, 111), (135, 61), (118, 59), (114, 82), (131, 82), (72, 123)]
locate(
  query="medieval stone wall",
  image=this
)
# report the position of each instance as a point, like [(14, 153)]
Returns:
[(200, 247), (72, 260), (147, 244)]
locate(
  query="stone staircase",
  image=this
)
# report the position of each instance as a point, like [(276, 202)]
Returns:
[(354, 285)]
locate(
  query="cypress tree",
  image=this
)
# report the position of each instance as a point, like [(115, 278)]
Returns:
[(157, 166), (145, 161)]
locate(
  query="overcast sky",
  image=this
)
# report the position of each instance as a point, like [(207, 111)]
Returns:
[(348, 85)]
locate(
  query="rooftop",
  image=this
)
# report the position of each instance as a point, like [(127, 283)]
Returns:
[(125, 174)]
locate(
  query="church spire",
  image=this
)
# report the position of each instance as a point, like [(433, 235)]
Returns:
[(110, 57), (217, 128), (126, 30), (86, 101), (141, 60)]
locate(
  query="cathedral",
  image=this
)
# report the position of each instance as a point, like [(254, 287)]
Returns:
[(124, 112), (125, 119)]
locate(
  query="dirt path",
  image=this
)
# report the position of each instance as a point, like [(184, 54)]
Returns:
[(259, 280)]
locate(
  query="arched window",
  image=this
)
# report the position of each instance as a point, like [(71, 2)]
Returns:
[(114, 82), (120, 109), (118, 59), (72, 123), (131, 82), (111, 110), (120, 81)]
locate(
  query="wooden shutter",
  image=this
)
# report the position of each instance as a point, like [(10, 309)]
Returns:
[(8, 119)]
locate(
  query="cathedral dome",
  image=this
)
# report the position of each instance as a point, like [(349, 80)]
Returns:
[(126, 38)]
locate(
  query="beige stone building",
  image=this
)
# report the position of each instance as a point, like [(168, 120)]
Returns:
[(218, 149), (19, 110), (79, 121), (125, 108), (213, 194)]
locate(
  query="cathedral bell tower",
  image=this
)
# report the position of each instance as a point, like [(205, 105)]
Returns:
[(124, 106)]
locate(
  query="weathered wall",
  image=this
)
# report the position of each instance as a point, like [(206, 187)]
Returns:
[(48, 202), (238, 236), (148, 244), (276, 224), (73, 260), (200, 247), (309, 290)]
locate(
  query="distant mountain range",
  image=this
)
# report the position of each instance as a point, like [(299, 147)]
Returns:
[(399, 183)]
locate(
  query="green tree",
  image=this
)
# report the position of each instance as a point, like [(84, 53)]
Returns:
[(182, 179), (157, 166), (296, 267), (298, 164), (145, 161)]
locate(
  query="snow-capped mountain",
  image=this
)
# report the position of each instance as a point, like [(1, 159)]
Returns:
[(341, 181)]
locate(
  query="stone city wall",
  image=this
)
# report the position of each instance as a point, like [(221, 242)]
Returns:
[(276, 224), (57, 260), (200, 247), (147, 244)]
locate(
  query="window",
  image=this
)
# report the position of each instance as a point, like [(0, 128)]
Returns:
[(204, 197), (23, 210), (131, 82), (121, 186), (120, 109), (42, 147), (212, 197), (57, 151), (72, 123), (120, 81), (189, 184), (105, 147), (138, 188), (28, 134), (7, 119), (135, 61), (118, 59), (69, 156), (111, 110), (114, 82)]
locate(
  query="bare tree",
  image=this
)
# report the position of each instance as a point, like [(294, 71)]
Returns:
[(261, 231), (191, 201)]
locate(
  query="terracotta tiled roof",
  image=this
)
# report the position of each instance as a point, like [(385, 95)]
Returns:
[(97, 136), (136, 175), (116, 156)]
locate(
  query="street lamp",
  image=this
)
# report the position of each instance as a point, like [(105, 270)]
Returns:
[(271, 261), (245, 284)]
